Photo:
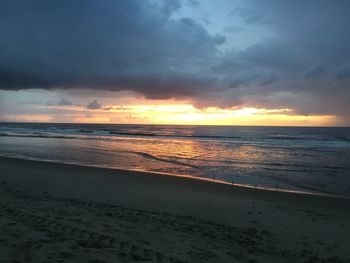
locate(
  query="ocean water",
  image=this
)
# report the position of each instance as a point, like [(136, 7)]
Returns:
[(314, 160)]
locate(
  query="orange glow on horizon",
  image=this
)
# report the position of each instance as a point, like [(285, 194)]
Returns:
[(188, 114), (185, 114)]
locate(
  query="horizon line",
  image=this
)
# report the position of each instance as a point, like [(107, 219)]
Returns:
[(166, 124)]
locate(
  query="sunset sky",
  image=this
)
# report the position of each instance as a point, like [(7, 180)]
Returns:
[(227, 62)]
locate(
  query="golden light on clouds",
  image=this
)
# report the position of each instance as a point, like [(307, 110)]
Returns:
[(188, 114), (179, 114)]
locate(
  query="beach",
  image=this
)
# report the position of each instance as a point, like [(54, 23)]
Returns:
[(52, 212), (178, 131)]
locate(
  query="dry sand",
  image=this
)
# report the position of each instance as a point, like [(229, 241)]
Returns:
[(65, 213)]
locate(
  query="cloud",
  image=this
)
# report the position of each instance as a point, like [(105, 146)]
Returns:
[(64, 102), (93, 105), (109, 45), (344, 73), (107, 108), (140, 46), (250, 16), (305, 58), (314, 71), (193, 3)]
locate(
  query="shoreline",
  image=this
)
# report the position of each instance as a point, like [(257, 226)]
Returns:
[(54, 212), (191, 177)]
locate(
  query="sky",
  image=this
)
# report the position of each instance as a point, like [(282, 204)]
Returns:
[(229, 62)]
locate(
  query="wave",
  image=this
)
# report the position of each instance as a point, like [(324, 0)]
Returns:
[(175, 135), (236, 141), (105, 132), (266, 164), (268, 142), (132, 133), (306, 188), (150, 156), (38, 136), (269, 136)]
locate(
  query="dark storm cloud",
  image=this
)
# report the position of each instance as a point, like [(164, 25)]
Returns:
[(114, 45), (138, 46)]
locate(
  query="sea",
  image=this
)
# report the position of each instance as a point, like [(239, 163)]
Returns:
[(313, 160)]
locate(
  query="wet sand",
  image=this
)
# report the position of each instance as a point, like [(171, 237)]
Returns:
[(66, 213)]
